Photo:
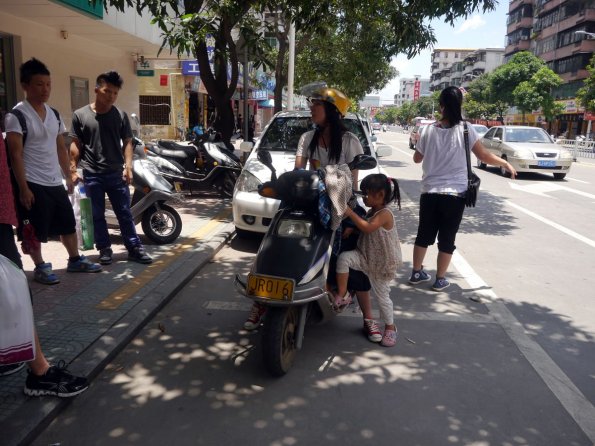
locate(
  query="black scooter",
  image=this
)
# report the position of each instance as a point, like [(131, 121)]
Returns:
[(202, 164), (289, 272)]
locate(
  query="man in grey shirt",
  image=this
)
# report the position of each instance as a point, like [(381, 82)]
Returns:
[(102, 143)]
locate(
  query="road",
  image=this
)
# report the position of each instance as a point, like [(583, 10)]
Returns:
[(515, 368)]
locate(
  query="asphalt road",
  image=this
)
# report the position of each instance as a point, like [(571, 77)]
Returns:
[(516, 368)]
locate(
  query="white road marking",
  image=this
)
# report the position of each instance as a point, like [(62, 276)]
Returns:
[(555, 225), (575, 403), (542, 189), (577, 180)]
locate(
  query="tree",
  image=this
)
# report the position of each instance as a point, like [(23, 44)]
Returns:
[(504, 79), (185, 25), (535, 93), (586, 95)]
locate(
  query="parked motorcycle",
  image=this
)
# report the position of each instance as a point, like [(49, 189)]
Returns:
[(160, 222), (203, 164), (289, 272)]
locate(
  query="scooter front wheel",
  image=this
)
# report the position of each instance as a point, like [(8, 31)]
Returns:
[(228, 183), (278, 339), (162, 225)]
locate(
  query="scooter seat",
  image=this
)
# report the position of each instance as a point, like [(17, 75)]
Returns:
[(174, 150)]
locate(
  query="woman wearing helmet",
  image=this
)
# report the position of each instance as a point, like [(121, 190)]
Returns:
[(330, 143)]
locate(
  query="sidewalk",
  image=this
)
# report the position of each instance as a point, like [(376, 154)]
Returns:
[(87, 319)]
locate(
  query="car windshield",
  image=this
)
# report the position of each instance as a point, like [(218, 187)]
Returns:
[(283, 134), (534, 135)]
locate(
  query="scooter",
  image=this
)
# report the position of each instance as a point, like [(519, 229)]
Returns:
[(288, 276), (203, 164), (160, 222)]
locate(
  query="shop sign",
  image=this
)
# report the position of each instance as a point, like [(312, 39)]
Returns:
[(145, 73), (92, 9), (589, 116)]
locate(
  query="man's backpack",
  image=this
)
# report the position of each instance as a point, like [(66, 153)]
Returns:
[(23, 122)]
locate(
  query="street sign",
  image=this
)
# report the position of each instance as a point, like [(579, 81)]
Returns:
[(145, 73)]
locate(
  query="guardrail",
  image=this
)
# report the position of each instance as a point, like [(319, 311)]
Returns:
[(584, 149)]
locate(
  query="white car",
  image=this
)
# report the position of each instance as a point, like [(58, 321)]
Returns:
[(528, 149), (253, 213)]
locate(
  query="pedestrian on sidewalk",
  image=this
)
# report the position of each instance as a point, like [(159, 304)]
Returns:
[(378, 252), (40, 162), (102, 144), (43, 378), (441, 148)]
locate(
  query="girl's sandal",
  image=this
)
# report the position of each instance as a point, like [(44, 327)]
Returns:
[(342, 302)]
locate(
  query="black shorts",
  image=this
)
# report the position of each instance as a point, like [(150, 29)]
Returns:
[(51, 213), (439, 215)]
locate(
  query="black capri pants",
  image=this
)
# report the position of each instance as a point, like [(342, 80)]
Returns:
[(439, 215)]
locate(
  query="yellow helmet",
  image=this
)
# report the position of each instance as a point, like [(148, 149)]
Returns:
[(332, 96)]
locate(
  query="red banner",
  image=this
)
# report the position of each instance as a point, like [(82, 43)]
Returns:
[(416, 90)]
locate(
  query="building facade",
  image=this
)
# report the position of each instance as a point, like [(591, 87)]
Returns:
[(410, 89)]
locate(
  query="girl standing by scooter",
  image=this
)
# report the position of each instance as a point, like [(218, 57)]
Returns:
[(378, 252)]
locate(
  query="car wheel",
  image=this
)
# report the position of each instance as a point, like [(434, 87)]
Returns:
[(505, 173), (559, 176)]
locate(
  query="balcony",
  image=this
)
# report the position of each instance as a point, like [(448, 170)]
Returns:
[(525, 22)]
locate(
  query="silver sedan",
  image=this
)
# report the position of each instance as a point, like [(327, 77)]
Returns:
[(528, 149)]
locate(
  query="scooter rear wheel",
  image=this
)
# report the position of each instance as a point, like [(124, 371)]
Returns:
[(228, 183), (278, 339), (162, 225)]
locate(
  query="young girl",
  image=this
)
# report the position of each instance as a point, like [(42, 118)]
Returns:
[(378, 252)]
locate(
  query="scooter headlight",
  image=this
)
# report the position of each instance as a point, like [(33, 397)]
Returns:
[(294, 228), (247, 182)]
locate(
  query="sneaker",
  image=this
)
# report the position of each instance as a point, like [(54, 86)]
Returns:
[(57, 381), (440, 284), (255, 318), (105, 256), (9, 369), (43, 273), (419, 277), (138, 254), (83, 265), (372, 330), (389, 339)]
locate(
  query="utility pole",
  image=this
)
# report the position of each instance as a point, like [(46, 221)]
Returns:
[(291, 66)]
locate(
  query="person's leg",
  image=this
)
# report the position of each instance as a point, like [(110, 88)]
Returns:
[(70, 242), (426, 235), (381, 292), (95, 190), (451, 214), (347, 259), (119, 196)]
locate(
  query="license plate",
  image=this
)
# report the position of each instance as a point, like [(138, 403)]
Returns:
[(547, 163), (177, 186), (270, 287)]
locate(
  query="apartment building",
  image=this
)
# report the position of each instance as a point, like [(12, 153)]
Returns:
[(442, 61), (561, 32), (410, 89)]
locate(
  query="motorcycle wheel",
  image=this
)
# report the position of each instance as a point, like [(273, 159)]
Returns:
[(227, 183), (162, 225), (278, 339)]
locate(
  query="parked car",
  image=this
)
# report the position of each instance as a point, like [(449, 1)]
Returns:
[(480, 129), (415, 131), (528, 149), (376, 126), (253, 213)]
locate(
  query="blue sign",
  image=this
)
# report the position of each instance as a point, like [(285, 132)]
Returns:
[(190, 68)]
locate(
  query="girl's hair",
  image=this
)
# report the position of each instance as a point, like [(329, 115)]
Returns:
[(451, 99), (380, 182), (333, 119)]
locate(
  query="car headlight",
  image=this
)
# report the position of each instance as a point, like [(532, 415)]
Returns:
[(247, 182), (566, 155), (294, 228), (522, 153)]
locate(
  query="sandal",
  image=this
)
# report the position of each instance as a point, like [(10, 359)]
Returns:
[(342, 302)]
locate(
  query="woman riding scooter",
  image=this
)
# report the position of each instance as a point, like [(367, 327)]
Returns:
[(329, 144)]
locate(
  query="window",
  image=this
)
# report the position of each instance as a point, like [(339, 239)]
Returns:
[(154, 110)]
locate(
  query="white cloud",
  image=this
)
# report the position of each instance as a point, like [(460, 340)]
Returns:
[(474, 22)]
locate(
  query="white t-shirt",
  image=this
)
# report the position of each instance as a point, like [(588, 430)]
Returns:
[(40, 154), (351, 147), (445, 164)]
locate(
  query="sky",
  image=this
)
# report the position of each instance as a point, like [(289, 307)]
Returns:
[(477, 31)]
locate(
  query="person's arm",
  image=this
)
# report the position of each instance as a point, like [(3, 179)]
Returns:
[(15, 144), (75, 156), (488, 157), (128, 152), (64, 160), (367, 226)]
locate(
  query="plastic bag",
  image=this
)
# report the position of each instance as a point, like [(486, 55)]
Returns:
[(17, 332), (81, 205)]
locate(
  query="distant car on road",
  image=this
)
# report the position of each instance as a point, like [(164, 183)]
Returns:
[(253, 213), (528, 149), (480, 129), (415, 131), (376, 126)]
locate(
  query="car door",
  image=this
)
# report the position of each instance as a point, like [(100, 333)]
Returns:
[(497, 142), (487, 140)]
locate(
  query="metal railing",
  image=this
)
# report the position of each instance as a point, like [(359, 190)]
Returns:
[(579, 148)]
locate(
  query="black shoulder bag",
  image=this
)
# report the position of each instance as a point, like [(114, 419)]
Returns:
[(473, 181)]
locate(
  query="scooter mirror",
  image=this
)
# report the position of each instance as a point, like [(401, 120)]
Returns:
[(264, 156), (363, 162)]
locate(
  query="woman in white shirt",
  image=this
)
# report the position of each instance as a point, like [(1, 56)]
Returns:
[(441, 150)]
